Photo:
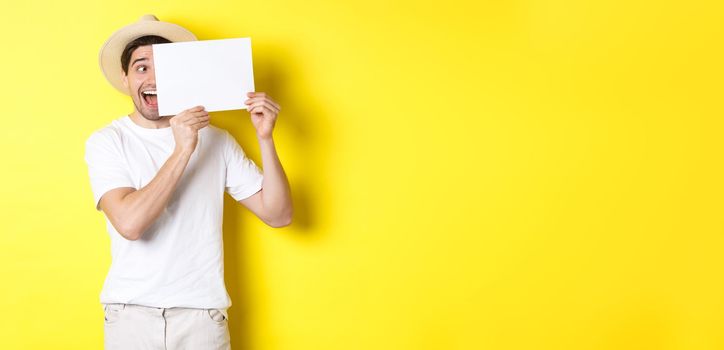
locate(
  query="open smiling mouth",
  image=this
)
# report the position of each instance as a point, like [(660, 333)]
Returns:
[(149, 98)]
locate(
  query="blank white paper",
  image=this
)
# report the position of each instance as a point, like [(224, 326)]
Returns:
[(216, 74)]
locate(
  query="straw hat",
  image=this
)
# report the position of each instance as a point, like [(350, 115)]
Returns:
[(109, 57)]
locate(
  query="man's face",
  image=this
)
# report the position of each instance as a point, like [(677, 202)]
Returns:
[(141, 82)]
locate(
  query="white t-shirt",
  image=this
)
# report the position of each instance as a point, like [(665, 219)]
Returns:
[(179, 261)]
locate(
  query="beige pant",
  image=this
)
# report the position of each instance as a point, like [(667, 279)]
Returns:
[(134, 327)]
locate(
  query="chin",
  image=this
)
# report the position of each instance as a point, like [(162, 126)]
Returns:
[(151, 116), (148, 113)]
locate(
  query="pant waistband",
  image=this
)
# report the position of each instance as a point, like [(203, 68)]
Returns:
[(156, 310)]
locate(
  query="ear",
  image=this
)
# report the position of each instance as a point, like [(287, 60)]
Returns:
[(124, 78)]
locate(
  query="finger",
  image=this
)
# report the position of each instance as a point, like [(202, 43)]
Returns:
[(199, 125), (265, 104), (193, 115), (257, 109), (274, 103), (253, 100), (191, 111), (186, 115), (267, 99), (199, 119), (200, 114), (265, 110), (261, 96), (252, 109)]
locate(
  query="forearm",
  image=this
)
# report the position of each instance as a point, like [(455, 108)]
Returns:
[(276, 198), (142, 207)]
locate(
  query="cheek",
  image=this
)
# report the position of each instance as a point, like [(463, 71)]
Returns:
[(136, 83)]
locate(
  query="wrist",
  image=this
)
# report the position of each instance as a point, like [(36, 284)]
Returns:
[(183, 152), (265, 138)]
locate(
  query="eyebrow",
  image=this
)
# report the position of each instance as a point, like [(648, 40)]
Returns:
[(138, 59)]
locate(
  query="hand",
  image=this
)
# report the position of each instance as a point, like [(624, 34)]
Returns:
[(263, 111), (186, 126)]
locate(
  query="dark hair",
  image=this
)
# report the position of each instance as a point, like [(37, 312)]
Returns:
[(136, 43)]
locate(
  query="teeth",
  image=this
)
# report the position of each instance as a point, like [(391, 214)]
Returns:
[(149, 92)]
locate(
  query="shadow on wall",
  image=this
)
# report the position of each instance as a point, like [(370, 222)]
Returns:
[(298, 128)]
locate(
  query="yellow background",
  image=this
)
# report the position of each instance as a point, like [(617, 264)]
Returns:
[(531, 174)]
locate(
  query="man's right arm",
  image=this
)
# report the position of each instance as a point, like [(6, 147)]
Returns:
[(132, 211)]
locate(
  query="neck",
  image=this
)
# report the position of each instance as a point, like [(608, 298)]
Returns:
[(137, 118)]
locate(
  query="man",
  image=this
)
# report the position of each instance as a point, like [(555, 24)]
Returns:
[(160, 182)]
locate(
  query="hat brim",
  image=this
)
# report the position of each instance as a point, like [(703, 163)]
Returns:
[(109, 58)]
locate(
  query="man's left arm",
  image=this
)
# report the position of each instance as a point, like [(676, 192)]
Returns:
[(273, 203)]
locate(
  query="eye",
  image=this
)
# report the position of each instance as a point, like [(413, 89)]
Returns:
[(141, 68)]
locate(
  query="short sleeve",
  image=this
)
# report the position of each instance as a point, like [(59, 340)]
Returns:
[(243, 177), (106, 166)]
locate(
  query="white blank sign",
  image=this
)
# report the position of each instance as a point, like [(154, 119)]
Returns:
[(216, 74)]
